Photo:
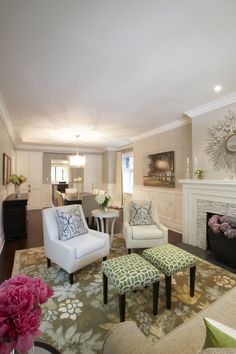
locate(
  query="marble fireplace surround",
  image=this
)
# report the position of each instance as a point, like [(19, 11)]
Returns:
[(201, 197)]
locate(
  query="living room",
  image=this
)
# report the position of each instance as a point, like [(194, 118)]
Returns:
[(156, 87)]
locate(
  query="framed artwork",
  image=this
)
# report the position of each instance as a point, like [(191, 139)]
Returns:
[(159, 170), (6, 168)]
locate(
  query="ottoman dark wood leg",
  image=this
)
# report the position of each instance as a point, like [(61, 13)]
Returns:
[(122, 307), (168, 291), (155, 297), (192, 280), (48, 262), (71, 278), (104, 288), (129, 250)]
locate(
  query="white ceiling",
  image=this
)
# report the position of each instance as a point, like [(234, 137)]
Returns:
[(111, 70)]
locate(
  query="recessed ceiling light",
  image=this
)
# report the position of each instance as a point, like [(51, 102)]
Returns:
[(217, 88)]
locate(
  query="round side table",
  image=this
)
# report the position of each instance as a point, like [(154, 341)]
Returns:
[(104, 217)]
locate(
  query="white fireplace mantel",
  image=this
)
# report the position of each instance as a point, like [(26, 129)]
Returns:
[(200, 197), (201, 182)]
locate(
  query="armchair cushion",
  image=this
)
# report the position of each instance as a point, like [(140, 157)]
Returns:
[(70, 223), (148, 232), (88, 242), (141, 213)]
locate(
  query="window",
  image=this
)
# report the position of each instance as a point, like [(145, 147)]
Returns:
[(59, 171), (127, 172)]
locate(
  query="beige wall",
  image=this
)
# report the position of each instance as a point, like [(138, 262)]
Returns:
[(200, 126), (178, 140), (5, 147), (108, 167)]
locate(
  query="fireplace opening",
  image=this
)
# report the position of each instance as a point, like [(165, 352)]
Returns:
[(222, 247)]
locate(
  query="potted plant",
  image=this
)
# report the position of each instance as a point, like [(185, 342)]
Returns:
[(17, 180), (103, 199), (199, 173)]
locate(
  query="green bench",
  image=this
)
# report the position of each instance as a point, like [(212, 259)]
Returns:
[(170, 260), (128, 273)]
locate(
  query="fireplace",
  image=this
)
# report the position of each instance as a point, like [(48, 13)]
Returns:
[(222, 247), (200, 197)]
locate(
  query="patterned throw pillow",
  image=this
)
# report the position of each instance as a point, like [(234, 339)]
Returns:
[(141, 213), (70, 223)]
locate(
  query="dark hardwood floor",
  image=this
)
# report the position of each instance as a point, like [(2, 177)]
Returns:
[(35, 239)]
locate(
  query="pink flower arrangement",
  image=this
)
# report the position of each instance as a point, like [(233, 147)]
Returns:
[(222, 223), (20, 312)]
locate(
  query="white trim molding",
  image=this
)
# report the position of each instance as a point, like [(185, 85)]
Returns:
[(110, 149), (51, 148), (4, 115), (212, 105), (163, 128)]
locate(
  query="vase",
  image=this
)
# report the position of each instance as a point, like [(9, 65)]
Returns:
[(17, 189), (103, 208), (30, 351)]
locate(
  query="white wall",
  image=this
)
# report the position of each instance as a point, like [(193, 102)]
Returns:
[(30, 165), (168, 202), (200, 126)]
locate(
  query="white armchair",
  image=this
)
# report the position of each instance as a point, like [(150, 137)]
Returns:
[(76, 253), (143, 236)]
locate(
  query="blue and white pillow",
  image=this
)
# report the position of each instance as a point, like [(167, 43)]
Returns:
[(141, 213), (70, 224)]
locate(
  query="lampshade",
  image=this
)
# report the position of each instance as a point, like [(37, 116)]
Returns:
[(77, 160)]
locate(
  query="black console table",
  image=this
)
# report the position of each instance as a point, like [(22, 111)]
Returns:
[(14, 216)]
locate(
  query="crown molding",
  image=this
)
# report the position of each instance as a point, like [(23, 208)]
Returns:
[(126, 147), (163, 128), (4, 115), (58, 149), (110, 149), (212, 105)]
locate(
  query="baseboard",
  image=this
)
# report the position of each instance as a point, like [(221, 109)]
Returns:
[(2, 242)]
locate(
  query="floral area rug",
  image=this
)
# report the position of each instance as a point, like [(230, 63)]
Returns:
[(75, 320)]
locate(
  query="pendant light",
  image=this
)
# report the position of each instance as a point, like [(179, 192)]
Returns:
[(77, 161)]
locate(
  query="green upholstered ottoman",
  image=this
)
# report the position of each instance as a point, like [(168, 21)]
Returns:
[(128, 273), (170, 260)]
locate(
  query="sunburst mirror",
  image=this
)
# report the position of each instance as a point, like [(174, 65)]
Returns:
[(221, 144)]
